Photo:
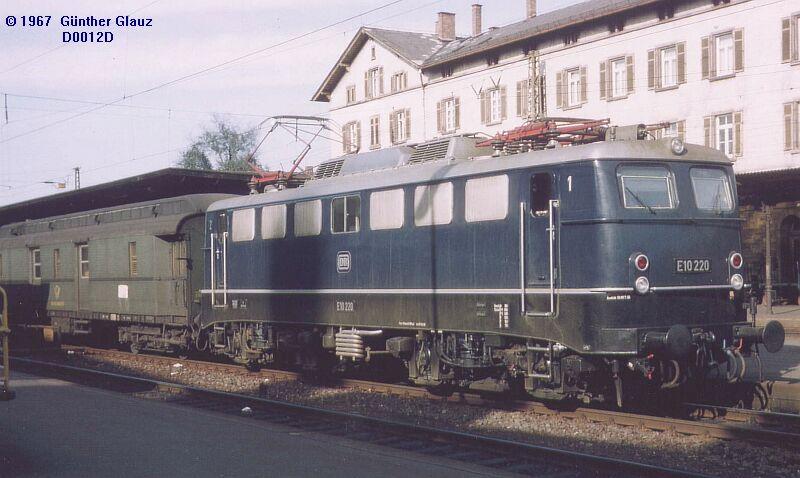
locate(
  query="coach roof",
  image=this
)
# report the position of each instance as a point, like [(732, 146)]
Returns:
[(443, 169)]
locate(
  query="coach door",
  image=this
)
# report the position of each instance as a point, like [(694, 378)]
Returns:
[(539, 245), (219, 261)]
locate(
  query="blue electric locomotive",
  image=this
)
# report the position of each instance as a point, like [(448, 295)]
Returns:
[(566, 271)]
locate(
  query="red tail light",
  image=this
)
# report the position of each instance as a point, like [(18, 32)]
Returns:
[(642, 262), (736, 260)]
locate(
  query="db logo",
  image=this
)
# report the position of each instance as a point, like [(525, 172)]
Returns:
[(343, 261)]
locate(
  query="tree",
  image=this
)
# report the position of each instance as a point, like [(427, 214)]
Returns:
[(225, 143)]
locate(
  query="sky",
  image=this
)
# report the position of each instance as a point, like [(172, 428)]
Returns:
[(129, 106)]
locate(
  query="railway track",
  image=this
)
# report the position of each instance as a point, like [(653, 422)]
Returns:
[(499, 454), (708, 420)]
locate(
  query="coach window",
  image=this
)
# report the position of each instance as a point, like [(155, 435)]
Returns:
[(541, 193), (36, 264), (308, 218), (486, 199), (345, 214), (386, 209), (647, 187), (244, 225), (83, 260), (433, 204), (712, 190), (273, 222)]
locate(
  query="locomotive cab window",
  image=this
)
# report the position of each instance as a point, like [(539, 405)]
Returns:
[(647, 187), (712, 190), (345, 214), (244, 225), (541, 193)]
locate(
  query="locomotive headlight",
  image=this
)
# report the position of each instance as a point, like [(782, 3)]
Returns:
[(737, 282), (642, 285), (736, 260), (641, 262), (677, 146)]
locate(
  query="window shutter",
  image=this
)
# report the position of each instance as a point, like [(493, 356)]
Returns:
[(583, 84), (457, 107), (345, 139), (794, 43), (484, 108), (681, 130), (440, 116), (393, 128), (704, 42), (503, 102), (651, 69), (738, 44), (358, 136), (408, 124), (603, 80), (708, 131), (559, 89), (631, 73), (520, 103), (367, 89), (786, 39), (393, 83), (380, 80), (737, 133), (657, 72), (788, 126), (681, 49)]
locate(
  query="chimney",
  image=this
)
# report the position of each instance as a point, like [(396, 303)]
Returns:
[(446, 26), (531, 8), (476, 19)]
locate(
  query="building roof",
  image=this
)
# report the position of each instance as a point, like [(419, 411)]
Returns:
[(425, 50), (413, 48), (165, 183)]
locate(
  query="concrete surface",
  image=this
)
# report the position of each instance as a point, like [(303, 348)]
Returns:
[(55, 428)]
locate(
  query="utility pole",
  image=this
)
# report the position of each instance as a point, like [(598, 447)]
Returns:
[(537, 107), (768, 258), (77, 177)]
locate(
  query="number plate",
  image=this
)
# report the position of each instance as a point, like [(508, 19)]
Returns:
[(692, 266)]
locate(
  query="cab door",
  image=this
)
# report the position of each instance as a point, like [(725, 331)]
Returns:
[(219, 260), (541, 244)]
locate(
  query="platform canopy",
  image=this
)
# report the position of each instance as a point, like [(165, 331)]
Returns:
[(160, 184), (769, 187)]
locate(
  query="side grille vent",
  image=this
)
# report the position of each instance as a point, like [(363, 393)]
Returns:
[(432, 151), (329, 169)]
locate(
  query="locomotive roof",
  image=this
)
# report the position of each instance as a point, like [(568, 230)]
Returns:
[(640, 150), (156, 217)]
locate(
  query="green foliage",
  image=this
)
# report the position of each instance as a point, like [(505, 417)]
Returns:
[(228, 146)]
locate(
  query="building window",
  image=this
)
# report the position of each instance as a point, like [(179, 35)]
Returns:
[(351, 137), (493, 105), (666, 66), (616, 78), (386, 209), (373, 82), (244, 225), (790, 41), (273, 222), (399, 81), (83, 260), (724, 134), (791, 126), (486, 199), (133, 261), (373, 54), (669, 67), (36, 264), (495, 102), (671, 129), (351, 94), (574, 87), (619, 80), (570, 38), (375, 132), (447, 71), (722, 54), (400, 126), (56, 263), (308, 218), (448, 112), (665, 11), (492, 60), (345, 214), (433, 205)]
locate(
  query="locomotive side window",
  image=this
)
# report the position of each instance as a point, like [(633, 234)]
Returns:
[(647, 187), (308, 218), (386, 209), (244, 225), (712, 191), (486, 199), (273, 222), (541, 193), (345, 214), (433, 204)]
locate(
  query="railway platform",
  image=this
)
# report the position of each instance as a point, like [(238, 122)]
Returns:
[(57, 428)]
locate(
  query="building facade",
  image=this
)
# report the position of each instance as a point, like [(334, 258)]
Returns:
[(724, 73)]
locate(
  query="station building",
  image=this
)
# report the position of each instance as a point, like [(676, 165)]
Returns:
[(724, 73)]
